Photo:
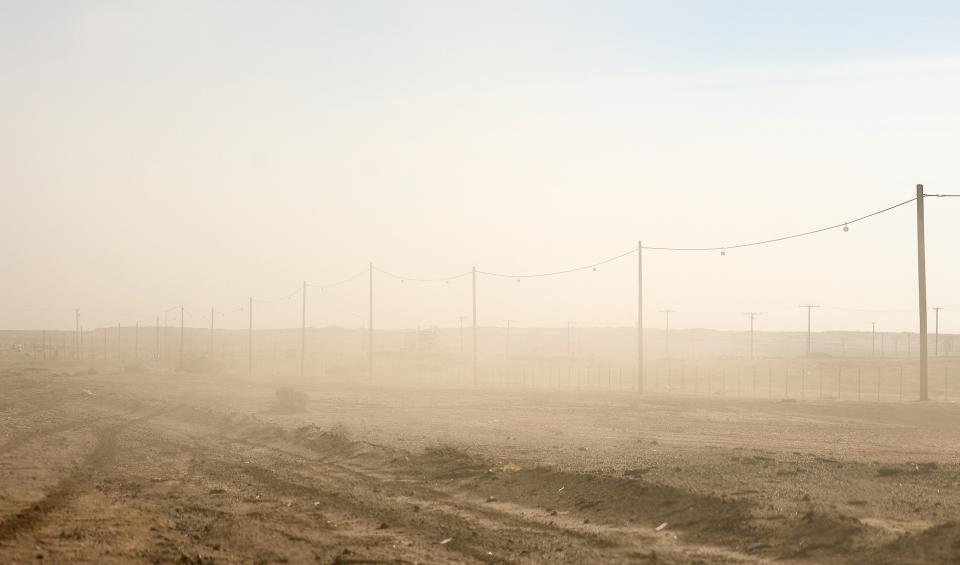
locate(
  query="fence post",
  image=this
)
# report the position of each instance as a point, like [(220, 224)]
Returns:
[(803, 382), (901, 383), (820, 380), (839, 379)]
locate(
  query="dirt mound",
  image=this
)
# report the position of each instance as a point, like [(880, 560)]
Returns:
[(816, 533), (335, 440), (445, 462), (939, 544), (595, 498)]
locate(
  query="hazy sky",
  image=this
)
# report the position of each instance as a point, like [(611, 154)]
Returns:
[(158, 153)]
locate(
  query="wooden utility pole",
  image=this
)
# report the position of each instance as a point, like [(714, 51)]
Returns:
[(303, 327), (506, 351), (809, 308), (370, 329), (476, 381), (922, 280), (461, 319), (936, 338), (639, 316), (163, 340), (752, 316), (250, 341), (667, 333)]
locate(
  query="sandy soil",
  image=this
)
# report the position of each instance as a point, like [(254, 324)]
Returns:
[(160, 467)]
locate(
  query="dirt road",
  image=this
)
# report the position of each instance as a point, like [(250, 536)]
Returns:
[(162, 467)]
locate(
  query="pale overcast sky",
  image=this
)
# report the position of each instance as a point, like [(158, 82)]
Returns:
[(158, 153)]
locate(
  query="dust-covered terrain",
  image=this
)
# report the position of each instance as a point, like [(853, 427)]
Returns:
[(158, 466)]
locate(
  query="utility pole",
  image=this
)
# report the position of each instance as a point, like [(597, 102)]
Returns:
[(181, 337), (809, 307), (639, 316), (303, 328), (507, 347), (250, 341), (667, 333), (873, 339), (936, 339), (752, 316), (164, 341), (370, 329), (461, 319), (922, 283), (476, 381)]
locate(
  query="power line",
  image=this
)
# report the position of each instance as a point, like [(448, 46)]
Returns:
[(417, 279), (843, 225), (279, 298), (722, 248), (593, 266), (870, 310), (228, 312), (563, 272), (339, 282)]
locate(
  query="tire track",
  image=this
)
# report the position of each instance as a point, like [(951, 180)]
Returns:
[(97, 461), (480, 533), (19, 441)]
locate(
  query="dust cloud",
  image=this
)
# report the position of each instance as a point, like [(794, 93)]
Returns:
[(478, 283)]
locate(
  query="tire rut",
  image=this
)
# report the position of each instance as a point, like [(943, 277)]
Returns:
[(68, 488)]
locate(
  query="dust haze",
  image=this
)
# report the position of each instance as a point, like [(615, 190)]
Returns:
[(479, 282)]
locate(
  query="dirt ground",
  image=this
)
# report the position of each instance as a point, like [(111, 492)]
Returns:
[(100, 466)]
